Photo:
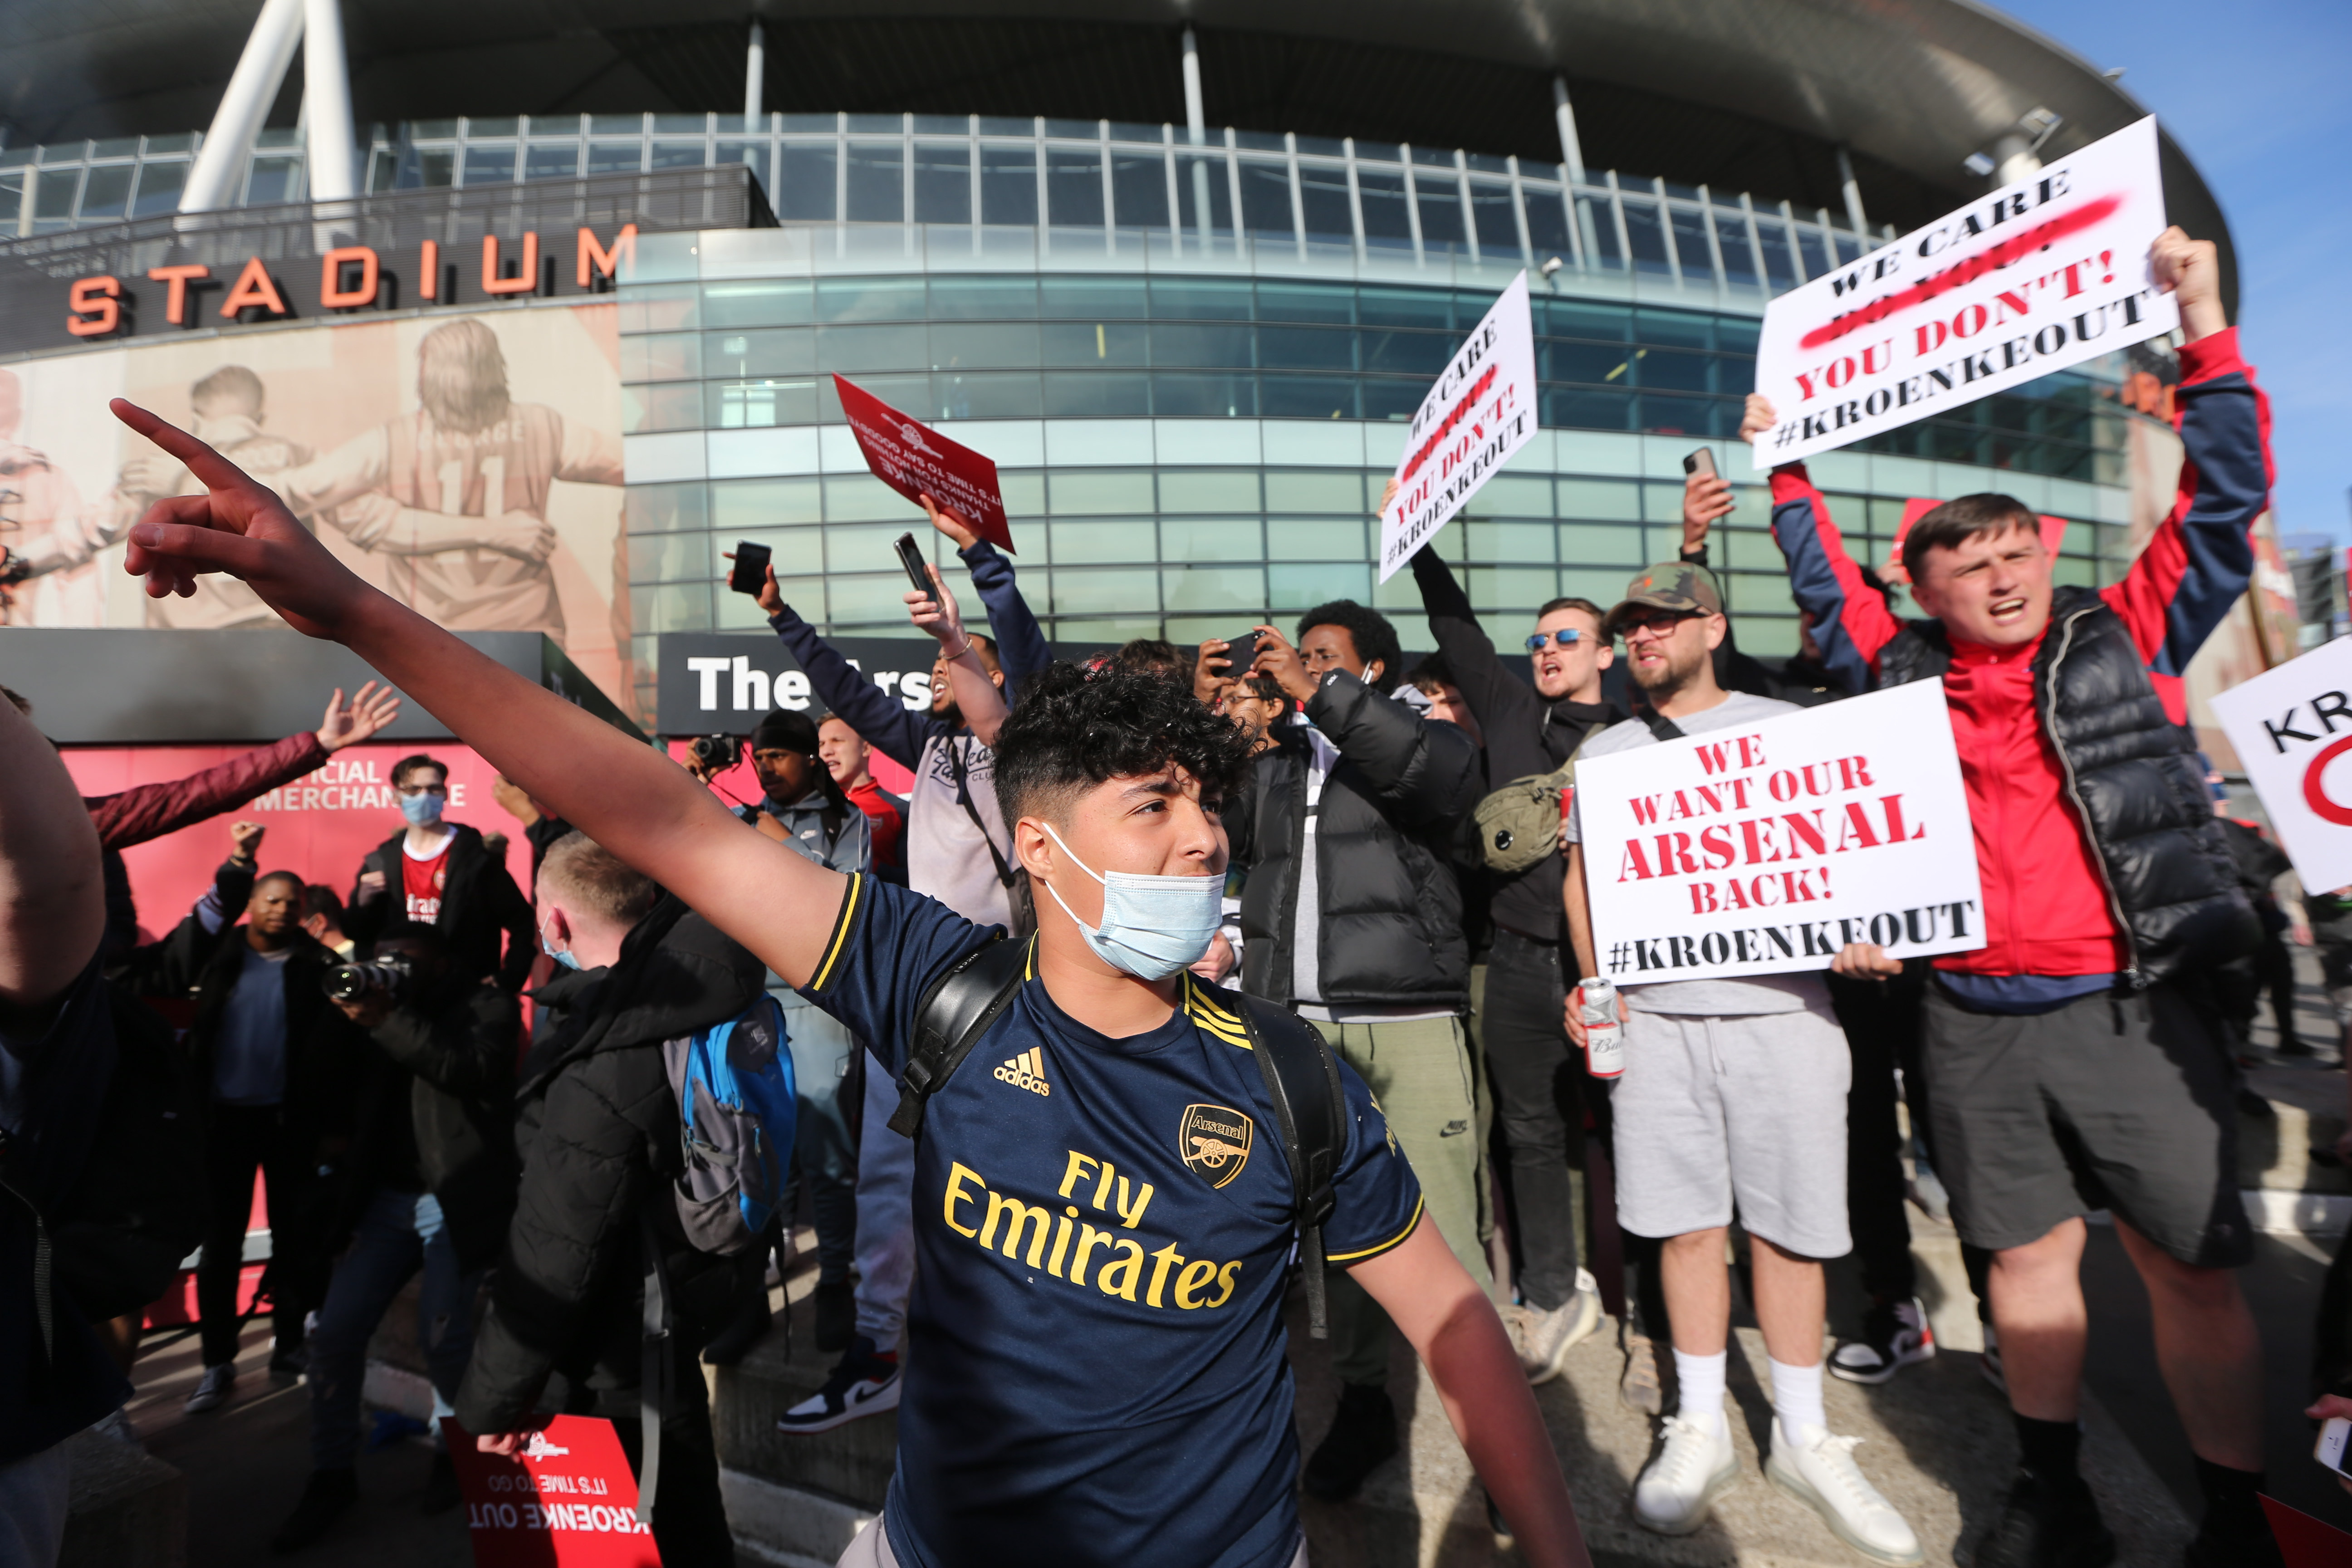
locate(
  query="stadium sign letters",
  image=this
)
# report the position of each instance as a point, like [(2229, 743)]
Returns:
[(1764, 850), (2038, 276), (2291, 728), (350, 278), (1482, 410)]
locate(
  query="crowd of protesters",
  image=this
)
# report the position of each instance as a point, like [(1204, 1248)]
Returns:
[(1191, 850)]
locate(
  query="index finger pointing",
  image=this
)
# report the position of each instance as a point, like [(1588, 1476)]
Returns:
[(217, 471)]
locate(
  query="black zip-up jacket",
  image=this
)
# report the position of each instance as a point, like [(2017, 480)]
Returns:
[(446, 1066), (478, 900), (1526, 733), (1390, 925), (597, 1132)]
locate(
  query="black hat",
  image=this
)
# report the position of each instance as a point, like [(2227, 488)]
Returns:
[(785, 731)]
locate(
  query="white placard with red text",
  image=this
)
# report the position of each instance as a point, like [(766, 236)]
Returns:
[(1482, 410), (2034, 277), (1764, 848), (2291, 727)]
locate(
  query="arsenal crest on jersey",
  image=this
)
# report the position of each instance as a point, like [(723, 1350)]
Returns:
[(1214, 1141)]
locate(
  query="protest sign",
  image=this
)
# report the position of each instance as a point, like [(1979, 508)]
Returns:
[(1765, 849), (566, 1501), (1481, 411), (912, 459), (2291, 727), (2038, 276)]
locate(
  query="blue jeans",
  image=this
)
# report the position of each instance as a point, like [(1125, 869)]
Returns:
[(823, 1154), (398, 1234)]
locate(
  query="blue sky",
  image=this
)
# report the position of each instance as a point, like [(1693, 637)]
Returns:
[(2257, 94)]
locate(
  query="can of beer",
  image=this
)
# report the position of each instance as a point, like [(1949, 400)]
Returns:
[(1604, 1036)]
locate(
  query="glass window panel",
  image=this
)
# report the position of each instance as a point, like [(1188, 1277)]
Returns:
[(755, 304), (1591, 544), (1774, 236), (1008, 185), (1307, 397), (1319, 539), (1204, 396), (615, 157), (1199, 174), (1441, 209), (1503, 589), (775, 351), (661, 509), (1130, 592), (1674, 372), (1588, 409), (878, 176), (1405, 308), (1407, 353), (490, 165), (942, 181), (992, 345), (1614, 500), (1322, 490), (661, 308), (761, 401), (812, 122), (1082, 343), (855, 498), (678, 154), (1099, 544), (984, 299), (1383, 152), (1120, 130), (1074, 193), (886, 123), (178, 142), (1600, 365), (159, 188), (1597, 225), (753, 155), (1204, 589), (1738, 255), (1189, 344), (1200, 300), (1209, 490), (870, 300), (1667, 415), (1547, 222), (1296, 588), (1305, 348), (1808, 241), (1265, 200), (738, 506), (1078, 395), (1646, 235), (669, 558), (1329, 303), (805, 187), (865, 599), (662, 356), (682, 607), (1323, 197), (1849, 249), (850, 348), (674, 407), (1690, 244), (1261, 141), (604, 124), (689, 123), (1497, 217), (1078, 492), (1513, 495), (557, 160), (1683, 329), (956, 124), (1007, 395), (1138, 190), (444, 129), (1386, 225), (107, 193), (1005, 125), (1088, 129), (272, 182), (1085, 298), (1435, 157), (1024, 494)]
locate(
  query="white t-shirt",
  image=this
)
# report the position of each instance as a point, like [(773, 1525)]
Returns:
[(945, 856), (1702, 999)]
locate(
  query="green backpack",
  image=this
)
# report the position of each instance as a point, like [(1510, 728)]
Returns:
[(1519, 824)]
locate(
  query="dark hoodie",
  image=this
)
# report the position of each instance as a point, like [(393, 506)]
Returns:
[(597, 1132)]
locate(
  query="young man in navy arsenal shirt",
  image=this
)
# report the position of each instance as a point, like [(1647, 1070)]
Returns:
[(1097, 1369)]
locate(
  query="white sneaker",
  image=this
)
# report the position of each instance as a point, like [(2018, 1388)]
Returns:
[(1818, 1468), (212, 1392), (1545, 1338), (1696, 1467)]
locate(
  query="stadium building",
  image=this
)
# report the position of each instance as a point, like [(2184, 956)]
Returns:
[(1183, 271)]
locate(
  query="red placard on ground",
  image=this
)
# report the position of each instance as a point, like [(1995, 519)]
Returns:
[(2306, 1541), (566, 1501), (912, 459)]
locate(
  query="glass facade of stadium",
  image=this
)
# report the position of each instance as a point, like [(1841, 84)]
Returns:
[(1191, 363)]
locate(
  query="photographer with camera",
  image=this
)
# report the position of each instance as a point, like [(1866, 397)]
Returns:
[(440, 874), (428, 1183), (273, 1057)]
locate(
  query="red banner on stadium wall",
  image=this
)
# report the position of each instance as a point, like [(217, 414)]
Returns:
[(566, 1501)]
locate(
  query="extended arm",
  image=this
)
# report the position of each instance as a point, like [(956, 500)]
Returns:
[(52, 895), (883, 721), (1496, 696), (1579, 912), (1428, 772), (977, 696), (1021, 648), (1453, 1328), (629, 798), (1851, 621)]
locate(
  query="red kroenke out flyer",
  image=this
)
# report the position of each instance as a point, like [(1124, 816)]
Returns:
[(566, 1499), (913, 459)]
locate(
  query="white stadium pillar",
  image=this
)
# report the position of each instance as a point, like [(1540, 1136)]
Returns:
[(219, 169), (326, 103), (755, 74), (1572, 151), (1196, 130), (1853, 196)]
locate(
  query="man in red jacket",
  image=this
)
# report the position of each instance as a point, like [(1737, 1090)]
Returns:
[(2074, 1062)]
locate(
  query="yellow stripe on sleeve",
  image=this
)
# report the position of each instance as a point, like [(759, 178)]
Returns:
[(1394, 1241), (839, 941)]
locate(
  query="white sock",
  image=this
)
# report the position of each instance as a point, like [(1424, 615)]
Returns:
[(1797, 1397), (1699, 1379)]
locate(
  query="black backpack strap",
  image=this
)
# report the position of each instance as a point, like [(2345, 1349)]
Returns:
[(1663, 727), (1302, 1081), (953, 1014), (654, 1366)]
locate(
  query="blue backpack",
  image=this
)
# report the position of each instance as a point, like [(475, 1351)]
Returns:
[(736, 1119)]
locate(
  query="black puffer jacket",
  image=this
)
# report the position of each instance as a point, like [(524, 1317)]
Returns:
[(1390, 931), (479, 901), (597, 1131), (2134, 783)]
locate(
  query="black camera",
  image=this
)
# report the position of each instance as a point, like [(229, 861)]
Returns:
[(388, 976), (715, 753)]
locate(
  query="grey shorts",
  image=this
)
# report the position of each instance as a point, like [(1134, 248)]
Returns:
[(2124, 1103), (1747, 1115)]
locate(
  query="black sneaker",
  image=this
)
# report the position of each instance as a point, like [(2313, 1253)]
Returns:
[(864, 1383), (1895, 1334), (440, 1485), (837, 1315), (329, 1493), (1362, 1434), (747, 1328), (2046, 1526), (2250, 1547), (291, 1361)]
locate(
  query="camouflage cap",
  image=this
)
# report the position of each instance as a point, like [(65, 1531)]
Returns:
[(1677, 585)]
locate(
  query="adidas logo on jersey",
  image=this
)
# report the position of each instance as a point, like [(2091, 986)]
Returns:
[(1027, 1070)]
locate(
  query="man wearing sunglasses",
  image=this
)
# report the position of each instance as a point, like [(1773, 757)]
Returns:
[(1538, 1082)]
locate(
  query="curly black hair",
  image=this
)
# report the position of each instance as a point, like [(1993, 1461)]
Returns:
[(1374, 637), (1076, 727)]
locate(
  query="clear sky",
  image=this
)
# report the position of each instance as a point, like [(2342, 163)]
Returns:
[(2256, 93)]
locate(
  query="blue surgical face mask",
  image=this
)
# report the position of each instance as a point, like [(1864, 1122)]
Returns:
[(563, 958), (424, 808), (1151, 926)]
